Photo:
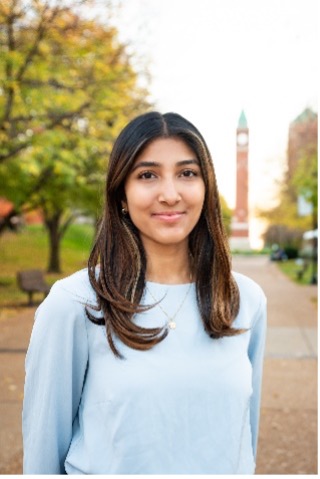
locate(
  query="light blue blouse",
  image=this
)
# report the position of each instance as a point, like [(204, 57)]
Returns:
[(190, 405)]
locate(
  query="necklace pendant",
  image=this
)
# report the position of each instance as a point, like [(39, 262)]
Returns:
[(172, 325)]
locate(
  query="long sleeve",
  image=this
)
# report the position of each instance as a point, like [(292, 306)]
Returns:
[(56, 364), (256, 354)]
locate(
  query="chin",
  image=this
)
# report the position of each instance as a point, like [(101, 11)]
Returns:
[(173, 240)]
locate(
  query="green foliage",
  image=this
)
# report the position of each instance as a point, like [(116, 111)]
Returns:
[(290, 268), (286, 227), (285, 213), (226, 215), (283, 236), (305, 179), (67, 89)]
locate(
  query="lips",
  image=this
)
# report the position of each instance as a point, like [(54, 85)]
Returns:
[(169, 216)]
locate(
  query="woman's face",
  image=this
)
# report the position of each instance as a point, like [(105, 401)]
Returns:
[(165, 192)]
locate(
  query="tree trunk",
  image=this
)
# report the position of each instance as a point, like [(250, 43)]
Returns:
[(53, 227)]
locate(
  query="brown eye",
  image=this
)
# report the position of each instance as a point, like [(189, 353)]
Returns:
[(189, 173), (146, 175)]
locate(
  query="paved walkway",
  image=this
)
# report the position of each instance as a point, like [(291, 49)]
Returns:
[(288, 432), (288, 426), (292, 319)]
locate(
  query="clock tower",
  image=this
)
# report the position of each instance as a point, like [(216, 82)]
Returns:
[(240, 222)]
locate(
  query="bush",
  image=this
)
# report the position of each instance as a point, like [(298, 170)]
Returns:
[(284, 237), (291, 252)]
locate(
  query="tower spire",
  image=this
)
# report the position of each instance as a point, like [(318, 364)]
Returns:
[(242, 123)]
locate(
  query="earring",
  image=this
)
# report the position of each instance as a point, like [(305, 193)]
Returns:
[(124, 211)]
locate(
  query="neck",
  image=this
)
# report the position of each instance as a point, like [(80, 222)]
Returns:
[(169, 266)]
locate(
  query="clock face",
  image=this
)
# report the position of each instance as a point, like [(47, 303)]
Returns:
[(242, 139)]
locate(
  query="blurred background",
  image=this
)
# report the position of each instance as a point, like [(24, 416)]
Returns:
[(74, 72)]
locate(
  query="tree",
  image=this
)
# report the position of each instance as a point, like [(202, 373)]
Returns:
[(305, 181), (286, 224), (226, 215), (283, 236), (68, 87)]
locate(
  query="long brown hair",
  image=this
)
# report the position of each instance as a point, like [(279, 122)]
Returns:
[(119, 281)]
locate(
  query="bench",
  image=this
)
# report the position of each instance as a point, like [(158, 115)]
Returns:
[(32, 281)]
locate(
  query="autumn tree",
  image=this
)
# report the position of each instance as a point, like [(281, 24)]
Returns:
[(68, 87), (286, 223), (226, 215), (305, 181), (290, 218)]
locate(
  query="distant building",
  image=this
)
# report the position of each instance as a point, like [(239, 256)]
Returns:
[(6, 207), (239, 239), (10, 219), (303, 137)]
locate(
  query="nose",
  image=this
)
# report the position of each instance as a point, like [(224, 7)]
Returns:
[(169, 193)]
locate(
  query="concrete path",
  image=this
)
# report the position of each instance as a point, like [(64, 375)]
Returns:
[(15, 332), (292, 320), (288, 426), (288, 432)]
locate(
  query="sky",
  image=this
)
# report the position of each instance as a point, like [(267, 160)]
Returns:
[(209, 59)]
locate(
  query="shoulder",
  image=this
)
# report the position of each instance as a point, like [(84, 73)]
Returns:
[(252, 298), (76, 287), (247, 286), (68, 297), (60, 323)]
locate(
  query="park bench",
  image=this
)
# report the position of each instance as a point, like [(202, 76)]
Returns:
[(32, 281)]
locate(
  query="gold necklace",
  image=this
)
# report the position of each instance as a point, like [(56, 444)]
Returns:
[(171, 319)]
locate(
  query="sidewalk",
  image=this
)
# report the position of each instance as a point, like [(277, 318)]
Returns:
[(14, 337), (288, 426)]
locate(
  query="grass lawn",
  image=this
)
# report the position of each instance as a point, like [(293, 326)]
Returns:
[(28, 249), (290, 269)]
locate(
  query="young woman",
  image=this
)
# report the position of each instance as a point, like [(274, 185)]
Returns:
[(149, 361)]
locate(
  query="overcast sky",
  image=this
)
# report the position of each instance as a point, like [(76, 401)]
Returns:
[(209, 59)]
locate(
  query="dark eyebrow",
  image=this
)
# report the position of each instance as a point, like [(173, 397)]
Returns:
[(154, 164), (145, 164), (188, 162)]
